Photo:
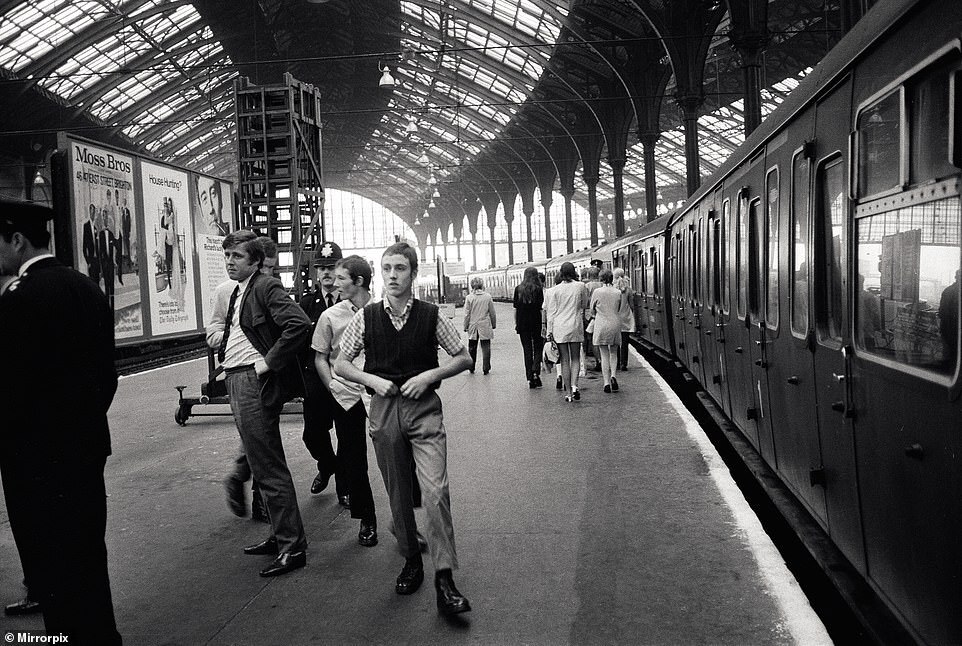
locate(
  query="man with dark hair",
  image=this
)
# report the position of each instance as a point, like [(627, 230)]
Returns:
[(57, 342), (90, 253), (319, 406), (241, 473), (399, 337), (353, 281), (263, 331)]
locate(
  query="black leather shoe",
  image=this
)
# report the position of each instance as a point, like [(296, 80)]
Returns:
[(236, 501), (284, 563), (344, 501), (411, 577), (368, 534), (265, 547), (320, 482), (258, 507), (537, 381), (531, 384), (559, 384), (25, 606), (614, 385), (450, 601)]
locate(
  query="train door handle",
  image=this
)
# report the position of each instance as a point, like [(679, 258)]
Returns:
[(738, 350), (761, 364), (707, 332), (793, 380), (838, 407), (838, 378), (915, 451)]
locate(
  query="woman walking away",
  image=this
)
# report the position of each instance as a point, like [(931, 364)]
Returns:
[(528, 300), (627, 315), (480, 321), (606, 308), (565, 307)]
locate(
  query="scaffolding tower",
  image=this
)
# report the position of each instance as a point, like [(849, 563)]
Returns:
[(281, 191)]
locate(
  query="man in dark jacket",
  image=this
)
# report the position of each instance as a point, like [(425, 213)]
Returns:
[(57, 343), (263, 331)]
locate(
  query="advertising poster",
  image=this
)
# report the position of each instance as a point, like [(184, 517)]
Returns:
[(169, 249), (212, 214), (107, 229)]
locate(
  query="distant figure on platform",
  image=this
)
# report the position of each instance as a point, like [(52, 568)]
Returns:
[(627, 314), (263, 331), (592, 283), (949, 321), (318, 403), (399, 337), (565, 308), (353, 281), (241, 473), (528, 302), (480, 321), (57, 342), (605, 306)]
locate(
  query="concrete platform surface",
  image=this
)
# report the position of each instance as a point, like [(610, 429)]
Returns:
[(606, 521)]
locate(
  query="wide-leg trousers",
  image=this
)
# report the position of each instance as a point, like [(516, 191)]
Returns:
[(406, 430)]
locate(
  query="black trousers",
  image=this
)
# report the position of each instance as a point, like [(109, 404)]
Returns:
[(623, 352), (350, 426), (532, 344), (58, 514), (319, 409)]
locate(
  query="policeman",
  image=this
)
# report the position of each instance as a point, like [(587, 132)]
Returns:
[(57, 342), (318, 403)]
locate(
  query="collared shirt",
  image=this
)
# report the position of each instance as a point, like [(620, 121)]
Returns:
[(327, 339), (240, 351), (23, 267), (446, 334)]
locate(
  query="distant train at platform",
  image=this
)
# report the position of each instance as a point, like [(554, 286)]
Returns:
[(811, 286)]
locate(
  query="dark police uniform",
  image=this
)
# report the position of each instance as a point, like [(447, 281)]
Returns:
[(57, 344)]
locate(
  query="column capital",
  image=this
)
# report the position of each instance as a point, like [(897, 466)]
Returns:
[(617, 164), (591, 181), (689, 103), (648, 138)]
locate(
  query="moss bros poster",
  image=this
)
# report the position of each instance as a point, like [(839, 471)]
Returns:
[(168, 249), (106, 230), (213, 206)]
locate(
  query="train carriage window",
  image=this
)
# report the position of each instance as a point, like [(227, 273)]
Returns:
[(714, 231), (741, 254), (655, 272), (928, 107), (879, 140), (830, 232), (756, 256), (908, 284), (799, 250), (771, 257), (723, 255)]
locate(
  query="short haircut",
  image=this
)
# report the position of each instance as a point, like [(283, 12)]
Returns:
[(477, 283), (593, 272), (251, 243), (357, 266), (406, 250), (568, 271), (618, 272), (270, 247), (606, 276)]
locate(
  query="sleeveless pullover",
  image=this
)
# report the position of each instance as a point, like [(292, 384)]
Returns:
[(398, 355)]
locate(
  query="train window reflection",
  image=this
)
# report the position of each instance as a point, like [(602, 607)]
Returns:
[(831, 248), (799, 227), (929, 130), (879, 132), (908, 284), (741, 251), (723, 255), (771, 234)]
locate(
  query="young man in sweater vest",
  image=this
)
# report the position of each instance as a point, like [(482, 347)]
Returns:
[(400, 337)]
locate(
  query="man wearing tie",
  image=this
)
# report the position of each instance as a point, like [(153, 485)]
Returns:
[(106, 245), (318, 402), (263, 332)]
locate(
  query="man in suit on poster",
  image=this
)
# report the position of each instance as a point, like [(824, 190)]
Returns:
[(91, 256), (52, 457)]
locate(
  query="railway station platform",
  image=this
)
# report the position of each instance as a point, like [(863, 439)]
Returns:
[(605, 521)]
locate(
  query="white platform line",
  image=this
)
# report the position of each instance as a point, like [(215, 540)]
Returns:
[(169, 365), (799, 617)]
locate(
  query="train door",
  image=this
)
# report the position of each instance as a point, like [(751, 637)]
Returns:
[(763, 301), (833, 350), (678, 312), (790, 364), (738, 336), (906, 385), (697, 297), (709, 314)]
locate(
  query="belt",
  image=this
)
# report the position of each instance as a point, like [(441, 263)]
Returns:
[(230, 371)]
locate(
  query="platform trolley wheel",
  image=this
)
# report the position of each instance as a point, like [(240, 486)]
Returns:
[(182, 415)]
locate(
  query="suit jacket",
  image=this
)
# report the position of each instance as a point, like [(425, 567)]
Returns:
[(279, 330), (57, 344), (90, 245)]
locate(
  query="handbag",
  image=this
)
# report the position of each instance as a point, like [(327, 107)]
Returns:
[(551, 354)]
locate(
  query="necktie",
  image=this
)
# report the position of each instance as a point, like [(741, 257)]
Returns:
[(227, 321), (330, 300)]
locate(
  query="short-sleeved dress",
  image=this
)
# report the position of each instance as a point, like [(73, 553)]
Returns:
[(606, 305)]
